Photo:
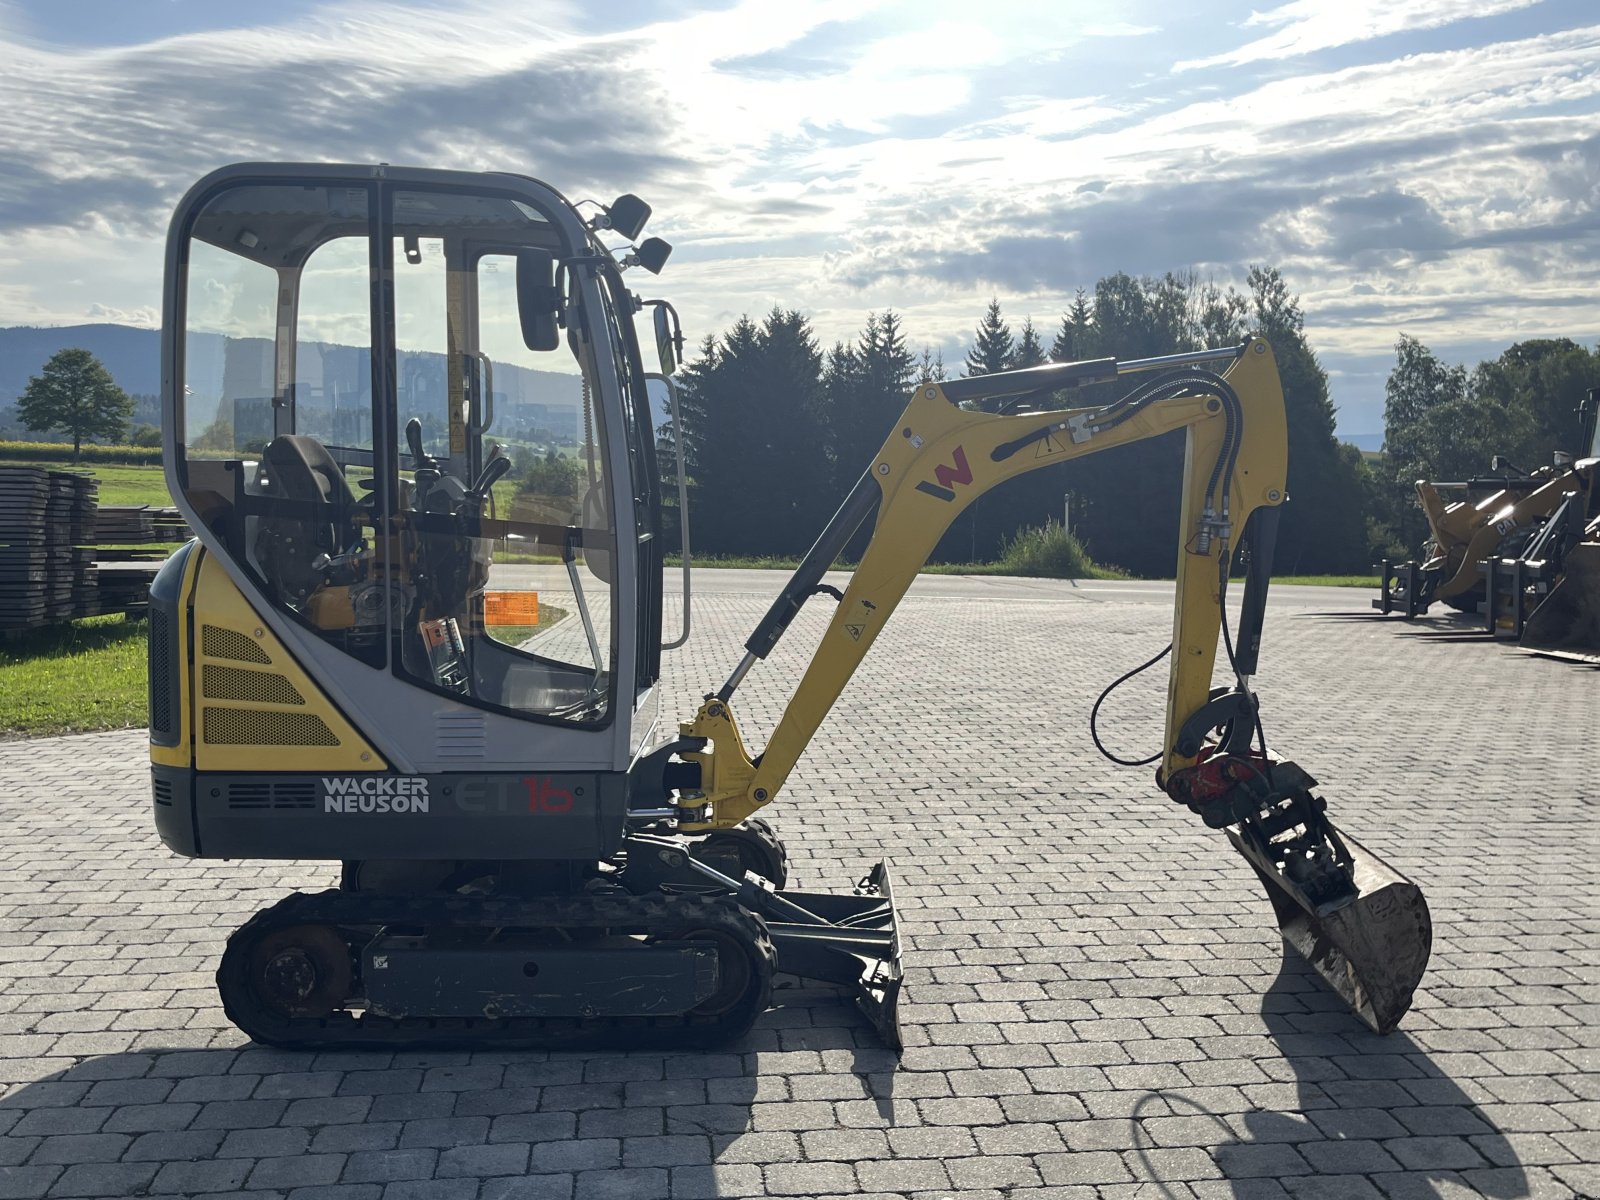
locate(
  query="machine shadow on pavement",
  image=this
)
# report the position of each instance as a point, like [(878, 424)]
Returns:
[(1364, 1110), (521, 1124)]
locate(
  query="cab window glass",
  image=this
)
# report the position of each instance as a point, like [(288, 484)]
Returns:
[(333, 346), (228, 353), (513, 604), (421, 377), (278, 411)]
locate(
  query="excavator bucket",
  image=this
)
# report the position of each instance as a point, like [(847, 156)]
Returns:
[(1567, 621), (1370, 945)]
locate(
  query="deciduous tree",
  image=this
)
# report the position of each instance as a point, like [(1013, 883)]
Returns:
[(76, 394)]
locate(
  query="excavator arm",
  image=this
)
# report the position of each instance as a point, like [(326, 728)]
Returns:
[(1364, 927), (941, 457)]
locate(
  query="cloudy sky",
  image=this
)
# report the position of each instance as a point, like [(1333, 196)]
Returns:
[(1431, 166)]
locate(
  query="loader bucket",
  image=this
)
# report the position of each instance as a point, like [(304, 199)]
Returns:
[(1371, 947), (1567, 621)]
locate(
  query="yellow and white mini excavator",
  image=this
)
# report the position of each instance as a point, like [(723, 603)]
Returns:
[(342, 670)]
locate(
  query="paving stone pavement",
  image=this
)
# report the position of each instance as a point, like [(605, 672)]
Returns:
[(1097, 1003)]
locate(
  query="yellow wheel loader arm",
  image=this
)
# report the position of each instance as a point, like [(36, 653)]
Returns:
[(1362, 925)]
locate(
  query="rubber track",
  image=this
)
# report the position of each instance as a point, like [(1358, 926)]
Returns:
[(358, 916)]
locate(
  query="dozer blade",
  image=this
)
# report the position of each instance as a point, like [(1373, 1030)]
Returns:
[(1371, 945), (1567, 621), (851, 941)]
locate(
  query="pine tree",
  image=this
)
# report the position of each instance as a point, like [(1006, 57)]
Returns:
[(889, 367), (992, 350), (844, 391), (757, 452), (866, 388), (1074, 340), (1324, 525), (930, 366), (1029, 351)]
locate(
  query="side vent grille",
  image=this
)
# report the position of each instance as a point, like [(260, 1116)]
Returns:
[(250, 727), (459, 735), (228, 643), (263, 797), (163, 791), (256, 687), (161, 671)]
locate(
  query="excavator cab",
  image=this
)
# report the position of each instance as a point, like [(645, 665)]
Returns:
[(360, 363)]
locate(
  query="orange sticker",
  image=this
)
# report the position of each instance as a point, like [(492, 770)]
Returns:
[(511, 608)]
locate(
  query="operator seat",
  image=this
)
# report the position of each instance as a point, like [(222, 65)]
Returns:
[(299, 469)]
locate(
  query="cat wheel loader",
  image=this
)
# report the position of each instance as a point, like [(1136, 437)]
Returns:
[(1494, 516), (1546, 595), (342, 670)]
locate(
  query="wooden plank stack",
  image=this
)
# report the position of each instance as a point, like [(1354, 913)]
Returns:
[(62, 556), (34, 525)]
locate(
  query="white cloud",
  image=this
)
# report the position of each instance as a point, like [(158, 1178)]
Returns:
[(1305, 26), (925, 157)]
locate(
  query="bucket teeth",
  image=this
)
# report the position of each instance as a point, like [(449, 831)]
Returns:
[(1371, 945)]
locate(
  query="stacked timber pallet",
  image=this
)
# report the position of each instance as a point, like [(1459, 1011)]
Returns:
[(46, 555), (124, 564), (62, 556)]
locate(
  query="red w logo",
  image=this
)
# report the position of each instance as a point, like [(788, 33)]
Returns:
[(948, 477)]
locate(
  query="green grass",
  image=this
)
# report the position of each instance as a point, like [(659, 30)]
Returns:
[(72, 678), (523, 557), (120, 484), (1351, 581)]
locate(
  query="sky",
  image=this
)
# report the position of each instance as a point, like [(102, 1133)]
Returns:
[(1429, 167)]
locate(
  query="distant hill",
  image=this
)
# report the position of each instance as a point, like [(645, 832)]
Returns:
[(133, 356), (525, 398), (1368, 443)]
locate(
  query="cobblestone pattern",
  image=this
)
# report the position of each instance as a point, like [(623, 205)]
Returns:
[(1097, 1002)]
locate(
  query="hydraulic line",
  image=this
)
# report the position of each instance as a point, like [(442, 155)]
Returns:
[(1094, 713), (1169, 387)]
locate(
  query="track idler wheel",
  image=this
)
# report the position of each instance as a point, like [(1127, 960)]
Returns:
[(745, 964), (297, 972)]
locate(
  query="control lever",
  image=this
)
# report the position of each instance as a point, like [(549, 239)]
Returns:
[(493, 471), (427, 467)]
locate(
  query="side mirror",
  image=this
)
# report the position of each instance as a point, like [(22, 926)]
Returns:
[(538, 301), (627, 215), (595, 513), (666, 345)]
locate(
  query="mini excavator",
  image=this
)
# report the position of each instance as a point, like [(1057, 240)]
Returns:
[(377, 651)]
